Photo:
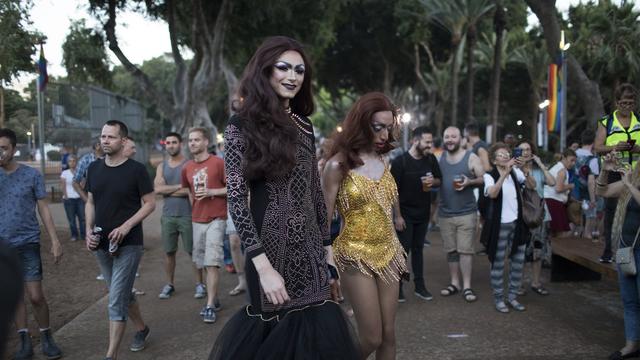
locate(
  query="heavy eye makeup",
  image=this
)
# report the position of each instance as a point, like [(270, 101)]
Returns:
[(285, 66)]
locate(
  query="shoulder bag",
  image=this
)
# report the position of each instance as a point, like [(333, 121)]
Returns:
[(625, 260)]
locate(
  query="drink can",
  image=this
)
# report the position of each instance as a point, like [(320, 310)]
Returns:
[(97, 232)]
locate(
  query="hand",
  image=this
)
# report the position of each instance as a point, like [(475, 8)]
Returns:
[(118, 234), (519, 161), (202, 193), (427, 180), (537, 160), (336, 294), (273, 286), (626, 177), (91, 241), (592, 204), (622, 146), (610, 161), (399, 223), (56, 251)]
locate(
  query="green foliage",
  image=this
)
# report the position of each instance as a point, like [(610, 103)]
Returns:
[(17, 42), (85, 57)]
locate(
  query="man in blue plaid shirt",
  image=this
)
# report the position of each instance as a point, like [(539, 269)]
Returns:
[(80, 177)]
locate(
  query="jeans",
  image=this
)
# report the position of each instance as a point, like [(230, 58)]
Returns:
[(75, 208), (120, 273), (629, 286), (412, 240), (30, 260)]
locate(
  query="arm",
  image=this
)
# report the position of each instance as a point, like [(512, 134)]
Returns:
[(45, 215), (148, 205), (238, 200), (483, 154), (591, 184), (493, 191), (63, 186), (477, 170), (530, 181), (603, 189), (90, 218), (628, 183), (560, 185), (160, 185), (601, 136), (331, 179), (79, 189), (548, 178)]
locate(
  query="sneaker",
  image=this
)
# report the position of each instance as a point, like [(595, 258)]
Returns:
[(401, 297), (100, 277), (25, 351), (139, 339), (423, 293), (605, 259), (502, 307), (49, 347), (516, 305), (73, 238), (209, 315), (167, 291), (216, 305), (201, 291), (137, 274)]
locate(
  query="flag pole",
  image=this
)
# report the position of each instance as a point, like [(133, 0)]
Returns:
[(563, 119), (41, 83)]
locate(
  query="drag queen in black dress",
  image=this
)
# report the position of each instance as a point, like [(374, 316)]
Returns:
[(270, 154)]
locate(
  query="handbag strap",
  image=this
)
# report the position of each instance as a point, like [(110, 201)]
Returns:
[(636, 239)]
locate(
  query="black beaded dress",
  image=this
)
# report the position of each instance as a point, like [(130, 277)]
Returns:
[(286, 219)]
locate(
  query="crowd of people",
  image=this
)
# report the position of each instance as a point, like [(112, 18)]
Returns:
[(307, 224)]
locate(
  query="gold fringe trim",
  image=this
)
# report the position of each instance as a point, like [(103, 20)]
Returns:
[(391, 272)]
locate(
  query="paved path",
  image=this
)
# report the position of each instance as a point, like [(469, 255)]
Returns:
[(577, 321)]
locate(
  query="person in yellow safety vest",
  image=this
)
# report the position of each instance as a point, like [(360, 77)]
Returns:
[(619, 131)]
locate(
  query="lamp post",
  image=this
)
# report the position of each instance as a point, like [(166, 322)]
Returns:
[(406, 119), (543, 134), (29, 141), (563, 124)]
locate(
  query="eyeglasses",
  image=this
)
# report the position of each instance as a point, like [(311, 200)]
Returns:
[(285, 66), (503, 155), (379, 127)]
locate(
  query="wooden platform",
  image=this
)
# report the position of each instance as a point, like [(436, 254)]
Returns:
[(583, 253)]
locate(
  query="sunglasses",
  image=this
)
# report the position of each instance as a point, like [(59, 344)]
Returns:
[(379, 127), (285, 66)]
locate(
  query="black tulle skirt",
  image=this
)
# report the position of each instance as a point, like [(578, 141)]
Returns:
[(317, 332)]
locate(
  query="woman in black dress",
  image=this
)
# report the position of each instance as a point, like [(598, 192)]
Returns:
[(270, 153)]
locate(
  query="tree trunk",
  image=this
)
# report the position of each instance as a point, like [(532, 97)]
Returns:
[(187, 106), (2, 117), (588, 91), (455, 69), (494, 102), (471, 42), (439, 120), (535, 110)]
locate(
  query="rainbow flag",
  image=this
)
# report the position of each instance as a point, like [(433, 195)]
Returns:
[(43, 77), (554, 91)]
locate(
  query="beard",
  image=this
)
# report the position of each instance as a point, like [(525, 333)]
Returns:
[(456, 147), (173, 152)]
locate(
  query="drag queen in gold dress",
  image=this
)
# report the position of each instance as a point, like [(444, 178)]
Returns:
[(367, 252)]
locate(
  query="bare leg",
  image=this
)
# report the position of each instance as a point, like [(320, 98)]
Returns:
[(238, 261), (21, 315), (198, 273), (212, 284), (536, 270), (136, 316), (362, 292), (40, 306), (388, 299), (116, 332), (170, 266), (466, 264), (454, 270)]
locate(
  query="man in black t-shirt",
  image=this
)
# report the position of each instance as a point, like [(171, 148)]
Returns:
[(416, 172), (116, 188)]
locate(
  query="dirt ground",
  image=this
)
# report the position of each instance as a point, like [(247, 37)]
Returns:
[(67, 293)]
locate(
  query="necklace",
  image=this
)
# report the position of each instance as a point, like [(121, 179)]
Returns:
[(297, 120)]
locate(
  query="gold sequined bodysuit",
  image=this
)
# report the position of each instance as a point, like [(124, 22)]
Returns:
[(368, 240)]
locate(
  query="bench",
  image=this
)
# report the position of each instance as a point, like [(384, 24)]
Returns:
[(576, 259)]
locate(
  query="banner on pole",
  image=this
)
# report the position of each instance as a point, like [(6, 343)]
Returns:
[(554, 91)]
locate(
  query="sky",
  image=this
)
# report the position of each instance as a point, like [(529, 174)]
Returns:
[(140, 38)]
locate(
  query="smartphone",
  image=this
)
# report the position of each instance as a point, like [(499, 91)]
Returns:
[(517, 152)]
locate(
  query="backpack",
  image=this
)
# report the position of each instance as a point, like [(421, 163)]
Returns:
[(581, 178)]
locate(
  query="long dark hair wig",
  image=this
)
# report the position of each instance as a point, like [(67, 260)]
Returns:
[(357, 133), (270, 134)]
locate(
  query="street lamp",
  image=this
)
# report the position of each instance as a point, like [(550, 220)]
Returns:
[(29, 141), (543, 132), (406, 119), (563, 125)]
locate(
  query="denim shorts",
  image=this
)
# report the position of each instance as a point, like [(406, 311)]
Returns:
[(120, 273), (31, 261)]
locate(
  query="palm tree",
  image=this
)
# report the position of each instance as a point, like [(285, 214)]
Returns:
[(458, 17), (436, 83), (499, 24)]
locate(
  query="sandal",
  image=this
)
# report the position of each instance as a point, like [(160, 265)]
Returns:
[(237, 291), (469, 295), (540, 290), (449, 290)]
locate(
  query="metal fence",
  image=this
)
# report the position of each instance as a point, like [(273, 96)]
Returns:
[(73, 119)]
